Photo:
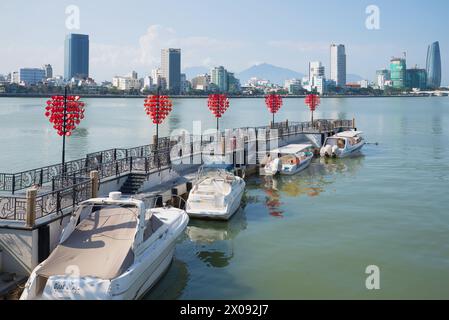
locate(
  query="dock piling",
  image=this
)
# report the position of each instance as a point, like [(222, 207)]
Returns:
[(95, 183), (31, 195)]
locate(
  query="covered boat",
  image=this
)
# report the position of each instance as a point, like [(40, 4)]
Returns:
[(288, 160), (112, 249), (216, 193), (343, 144)]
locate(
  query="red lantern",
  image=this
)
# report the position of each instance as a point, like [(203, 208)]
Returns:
[(158, 107), (274, 103), (65, 115), (218, 104), (313, 101)]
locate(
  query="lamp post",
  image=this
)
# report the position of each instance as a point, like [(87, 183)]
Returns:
[(218, 104), (274, 103), (313, 101), (65, 113), (158, 107)]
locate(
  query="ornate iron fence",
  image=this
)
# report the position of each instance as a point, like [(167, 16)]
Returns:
[(14, 208), (113, 162)]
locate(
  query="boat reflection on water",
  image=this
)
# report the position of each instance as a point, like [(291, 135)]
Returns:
[(311, 183), (214, 240), (172, 283)]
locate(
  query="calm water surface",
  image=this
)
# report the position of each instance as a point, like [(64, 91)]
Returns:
[(302, 237)]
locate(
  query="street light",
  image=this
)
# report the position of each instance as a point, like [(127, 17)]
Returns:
[(65, 113)]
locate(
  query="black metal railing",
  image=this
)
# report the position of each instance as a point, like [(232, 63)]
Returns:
[(116, 161), (14, 208)]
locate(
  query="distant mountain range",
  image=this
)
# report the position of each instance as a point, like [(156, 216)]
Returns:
[(276, 75), (350, 77)]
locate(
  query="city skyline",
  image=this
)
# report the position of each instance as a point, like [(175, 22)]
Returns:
[(137, 45)]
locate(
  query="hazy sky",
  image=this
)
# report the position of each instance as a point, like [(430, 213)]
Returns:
[(128, 35)]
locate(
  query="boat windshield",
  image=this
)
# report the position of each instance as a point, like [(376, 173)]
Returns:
[(339, 142), (214, 172)]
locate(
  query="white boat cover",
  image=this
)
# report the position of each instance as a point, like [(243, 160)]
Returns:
[(349, 134), (100, 246)]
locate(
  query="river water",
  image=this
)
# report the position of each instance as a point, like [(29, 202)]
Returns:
[(303, 237)]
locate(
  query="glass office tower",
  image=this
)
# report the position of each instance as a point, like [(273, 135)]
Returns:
[(434, 66), (76, 63)]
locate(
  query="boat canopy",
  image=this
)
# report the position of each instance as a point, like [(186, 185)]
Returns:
[(349, 134), (292, 149), (100, 246)]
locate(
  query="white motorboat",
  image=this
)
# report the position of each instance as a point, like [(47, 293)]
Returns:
[(288, 160), (343, 144), (112, 249), (216, 194)]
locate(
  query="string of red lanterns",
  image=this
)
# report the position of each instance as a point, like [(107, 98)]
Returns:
[(65, 113), (218, 104), (313, 101), (274, 103), (158, 107)]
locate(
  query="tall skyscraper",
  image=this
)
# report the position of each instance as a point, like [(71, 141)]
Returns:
[(171, 69), (434, 65), (338, 64), (219, 77), (398, 69), (76, 56)]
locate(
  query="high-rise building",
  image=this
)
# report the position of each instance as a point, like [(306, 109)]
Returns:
[(158, 79), (147, 82), (316, 69), (317, 77), (338, 64), (434, 65), (382, 76), (48, 71), (14, 77), (171, 69), (219, 77), (416, 78), (398, 67), (30, 76), (76, 63), (234, 85)]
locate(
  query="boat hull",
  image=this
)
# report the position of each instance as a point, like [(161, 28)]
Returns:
[(223, 215), (304, 165), (139, 278), (348, 152)]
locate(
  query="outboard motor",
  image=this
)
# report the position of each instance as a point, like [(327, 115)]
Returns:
[(275, 166), (334, 151), (326, 151)]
